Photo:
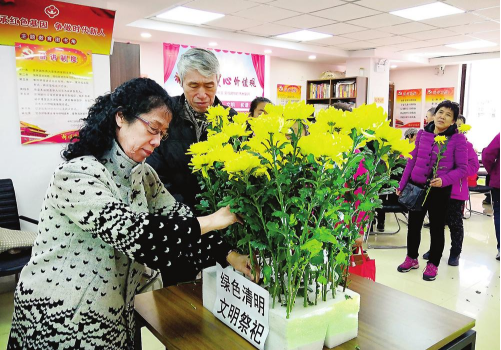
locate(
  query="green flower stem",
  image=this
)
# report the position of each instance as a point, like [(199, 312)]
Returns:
[(305, 285)]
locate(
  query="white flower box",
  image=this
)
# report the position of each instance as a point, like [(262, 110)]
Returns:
[(328, 323)]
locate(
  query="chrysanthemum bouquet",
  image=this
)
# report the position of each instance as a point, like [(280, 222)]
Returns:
[(306, 190)]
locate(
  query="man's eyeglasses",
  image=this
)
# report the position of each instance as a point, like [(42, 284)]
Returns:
[(163, 134)]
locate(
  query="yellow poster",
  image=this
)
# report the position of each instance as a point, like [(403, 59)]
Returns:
[(288, 93), (55, 89)]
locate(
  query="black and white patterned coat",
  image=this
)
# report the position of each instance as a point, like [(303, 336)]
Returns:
[(101, 221)]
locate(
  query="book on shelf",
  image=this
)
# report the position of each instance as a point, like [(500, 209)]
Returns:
[(346, 89), (319, 90)]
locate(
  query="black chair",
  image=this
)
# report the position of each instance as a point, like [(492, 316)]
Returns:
[(390, 205), (479, 189), (11, 264)]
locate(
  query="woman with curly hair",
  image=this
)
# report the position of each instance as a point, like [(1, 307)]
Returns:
[(105, 215)]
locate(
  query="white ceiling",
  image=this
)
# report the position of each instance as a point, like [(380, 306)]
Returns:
[(250, 25)]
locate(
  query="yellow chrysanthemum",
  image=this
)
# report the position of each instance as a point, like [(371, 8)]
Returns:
[(240, 118), (404, 147), (222, 153), (236, 130), (326, 145), (274, 109), (217, 114), (386, 134), (243, 162), (464, 128), (298, 111), (440, 139), (199, 148), (269, 124), (201, 162), (218, 139), (257, 144), (369, 117)]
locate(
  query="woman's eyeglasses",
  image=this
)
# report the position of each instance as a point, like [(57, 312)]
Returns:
[(163, 134)]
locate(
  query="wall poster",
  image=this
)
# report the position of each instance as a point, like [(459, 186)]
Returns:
[(288, 93), (56, 24), (408, 108), (55, 89), (436, 95)]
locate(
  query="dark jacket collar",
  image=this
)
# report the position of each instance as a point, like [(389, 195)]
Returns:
[(451, 130)]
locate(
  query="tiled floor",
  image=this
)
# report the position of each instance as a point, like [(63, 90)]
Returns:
[(472, 288)]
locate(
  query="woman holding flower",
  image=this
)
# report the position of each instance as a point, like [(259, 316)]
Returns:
[(439, 160)]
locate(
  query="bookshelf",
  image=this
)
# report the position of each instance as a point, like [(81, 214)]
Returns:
[(352, 90)]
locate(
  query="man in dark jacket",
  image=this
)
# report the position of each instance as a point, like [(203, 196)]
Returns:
[(199, 74)]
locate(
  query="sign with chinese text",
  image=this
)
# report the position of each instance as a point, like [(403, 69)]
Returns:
[(288, 93), (242, 75), (56, 24), (242, 305), (436, 95), (55, 89), (408, 108)]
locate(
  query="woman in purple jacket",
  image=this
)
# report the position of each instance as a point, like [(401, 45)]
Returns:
[(419, 170), (490, 158), (454, 218)]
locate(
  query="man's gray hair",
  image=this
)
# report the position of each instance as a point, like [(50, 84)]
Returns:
[(204, 61)]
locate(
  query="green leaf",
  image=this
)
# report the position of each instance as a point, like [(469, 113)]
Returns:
[(322, 280), (267, 273), (341, 258), (323, 234), (313, 246)]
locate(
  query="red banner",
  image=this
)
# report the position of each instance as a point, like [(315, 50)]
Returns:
[(56, 24)]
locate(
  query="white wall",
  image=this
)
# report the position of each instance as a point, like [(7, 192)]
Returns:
[(277, 70), (378, 82), (422, 78), (31, 166)]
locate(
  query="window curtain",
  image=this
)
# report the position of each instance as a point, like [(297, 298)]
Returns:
[(258, 62), (170, 56)]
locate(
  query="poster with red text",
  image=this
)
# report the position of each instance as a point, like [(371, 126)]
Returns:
[(436, 95), (56, 24), (408, 108), (288, 93), (55, 89), (242, 75)]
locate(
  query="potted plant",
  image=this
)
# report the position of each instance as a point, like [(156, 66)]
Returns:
[(305, 189)]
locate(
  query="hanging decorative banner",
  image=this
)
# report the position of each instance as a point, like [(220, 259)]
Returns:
[(408, 109), (288, 93), (436, 95), (54, 23), (55, 89), (243, 306), (242, 75)]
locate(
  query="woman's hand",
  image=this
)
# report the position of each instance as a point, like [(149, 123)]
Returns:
[(436, 182), (242, 263), (218, 220), (397, 192)]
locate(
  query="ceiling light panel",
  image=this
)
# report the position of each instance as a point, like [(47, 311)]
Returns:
[(433, 10), (475, 44), (220, 6), (187, 15)]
